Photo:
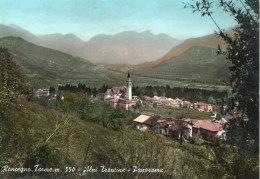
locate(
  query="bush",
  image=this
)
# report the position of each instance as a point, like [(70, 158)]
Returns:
[(42, 156)]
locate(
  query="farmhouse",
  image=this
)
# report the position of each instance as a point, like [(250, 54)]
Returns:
[(152, 121), (163, 126), (140, 122), (203, 106), (120, 103), (42, 93), (209, 131), (189, 123)]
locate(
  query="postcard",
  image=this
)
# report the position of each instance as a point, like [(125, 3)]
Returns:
[(129, 89)]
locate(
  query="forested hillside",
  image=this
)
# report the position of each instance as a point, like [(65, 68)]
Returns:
[(44, 67), (199, 65)]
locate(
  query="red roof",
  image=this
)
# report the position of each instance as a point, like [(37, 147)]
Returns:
[(177, 126), (170, 121), (161, 120), (178, 99), (188, 102), (113, 100), (124, 101), (165, 101), (191, 121), (109, 92), (202, 104), (118, 90), (208, 125), (148, 98), (153, 120)]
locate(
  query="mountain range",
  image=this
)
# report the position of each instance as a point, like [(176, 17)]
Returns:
[(127, 47), (193, 61)]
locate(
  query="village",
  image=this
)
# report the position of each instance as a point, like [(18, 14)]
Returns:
[(212, 129)]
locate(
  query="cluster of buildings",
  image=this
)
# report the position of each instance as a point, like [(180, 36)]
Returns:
[(119, 97), (43, 92), (183, 129), (178, 103)]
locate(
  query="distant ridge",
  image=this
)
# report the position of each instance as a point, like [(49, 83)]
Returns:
[(128, 47), (205, 41)]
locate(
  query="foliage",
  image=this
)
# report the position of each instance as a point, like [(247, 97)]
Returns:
[(42, 156), (76, 97), (95, 112), (10, 74), (68, 138), (243, 53), (12, 84)]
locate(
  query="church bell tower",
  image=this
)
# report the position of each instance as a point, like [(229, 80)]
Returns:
[(128, 87)]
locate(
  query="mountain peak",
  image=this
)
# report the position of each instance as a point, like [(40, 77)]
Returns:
[(147, 32)]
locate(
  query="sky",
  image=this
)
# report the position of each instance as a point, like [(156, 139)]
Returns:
[(87, 18)]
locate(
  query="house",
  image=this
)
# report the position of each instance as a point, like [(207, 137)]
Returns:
[(163, 98), (173, 104), (177, 100), (188, 123), (120, 103), (177, 129), (140, 122), (134, 98), (115, 93), (209, 131), (148, 99), (165, 102), (203, 106), (42, 93), (152, 122), (163, 126), (186, 104), (100, 96)]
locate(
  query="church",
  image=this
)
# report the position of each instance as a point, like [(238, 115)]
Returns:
[(120, 97)]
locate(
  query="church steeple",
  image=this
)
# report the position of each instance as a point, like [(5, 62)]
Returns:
[(128, 87)]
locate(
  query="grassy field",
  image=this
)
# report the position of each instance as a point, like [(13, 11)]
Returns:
[(177, 113)]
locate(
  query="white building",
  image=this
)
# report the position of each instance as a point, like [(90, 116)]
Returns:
[(128, 88)]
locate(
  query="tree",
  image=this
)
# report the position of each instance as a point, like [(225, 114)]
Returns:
[(10, 74), (12, 84), (242, 52)]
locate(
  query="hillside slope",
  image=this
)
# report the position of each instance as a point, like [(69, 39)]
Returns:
[(198, 64), (44, 66), (67, 43), (205, 41)]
